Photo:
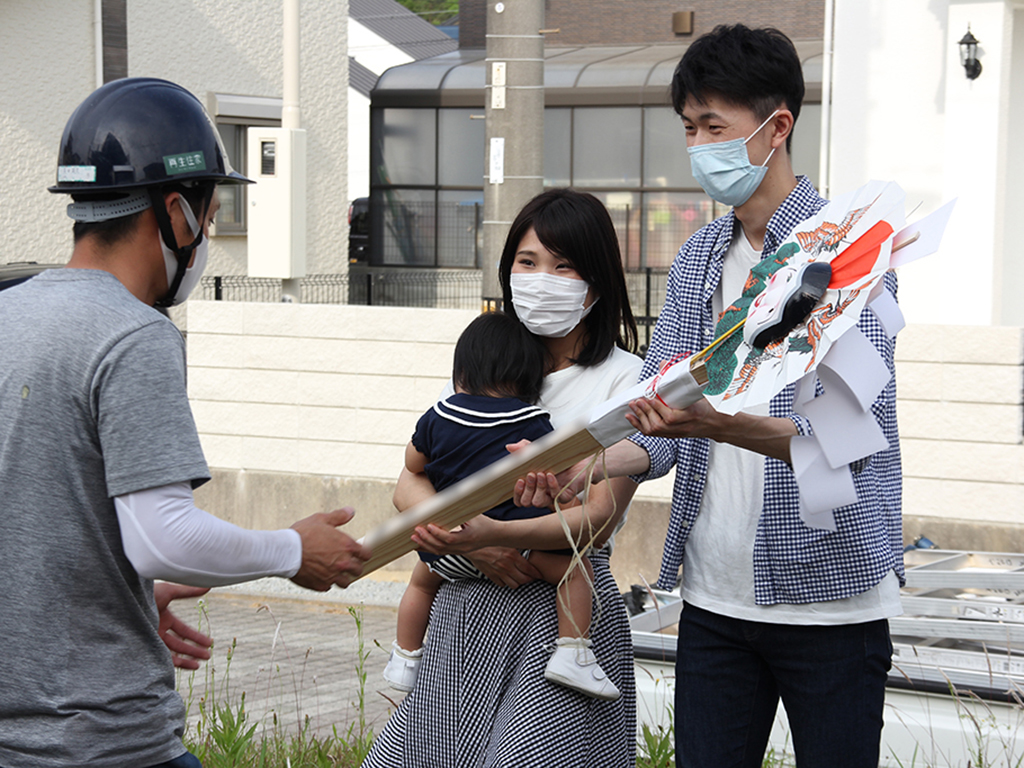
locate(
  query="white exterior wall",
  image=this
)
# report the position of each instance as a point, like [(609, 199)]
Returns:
[(358, 145), (47, 55), (961, 419), (376, 54), (337, 390), (903, 109), (320, 389), (373, 51), (47, 52)]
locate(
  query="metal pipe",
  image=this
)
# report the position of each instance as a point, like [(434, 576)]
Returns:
[(97, 31), (824, 164), (291, 116)]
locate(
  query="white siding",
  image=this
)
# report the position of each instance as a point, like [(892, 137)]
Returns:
[(332, 390)]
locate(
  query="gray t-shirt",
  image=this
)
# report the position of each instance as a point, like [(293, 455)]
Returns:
[(92, 405)]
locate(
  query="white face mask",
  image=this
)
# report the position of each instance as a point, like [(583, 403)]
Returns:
[(200, 256), (549, 305)]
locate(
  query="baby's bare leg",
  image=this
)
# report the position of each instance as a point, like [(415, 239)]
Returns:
[(574, 596), (414, 609)]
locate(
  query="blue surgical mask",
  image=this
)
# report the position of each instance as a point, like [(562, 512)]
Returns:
[(724, 171)]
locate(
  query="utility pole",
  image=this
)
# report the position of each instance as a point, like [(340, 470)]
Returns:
[(514, 125)]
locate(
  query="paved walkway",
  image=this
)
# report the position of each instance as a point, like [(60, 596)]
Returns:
[(293, 658)]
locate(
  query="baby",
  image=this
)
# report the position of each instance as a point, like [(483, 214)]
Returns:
[(498, 372)]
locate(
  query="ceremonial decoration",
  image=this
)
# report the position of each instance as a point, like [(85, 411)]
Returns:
[(853, 235), (799, 311)]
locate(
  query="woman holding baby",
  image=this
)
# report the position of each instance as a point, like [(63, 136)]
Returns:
[(480, 697)]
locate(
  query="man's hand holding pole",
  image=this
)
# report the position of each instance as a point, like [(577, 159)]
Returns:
[(328, 555)]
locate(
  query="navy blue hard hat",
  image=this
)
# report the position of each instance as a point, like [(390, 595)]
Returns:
[(140, 132)]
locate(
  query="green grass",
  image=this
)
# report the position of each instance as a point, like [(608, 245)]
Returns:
[(224, 736)]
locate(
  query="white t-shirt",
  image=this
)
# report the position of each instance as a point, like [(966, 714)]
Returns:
[(576, 390), (718, 565)]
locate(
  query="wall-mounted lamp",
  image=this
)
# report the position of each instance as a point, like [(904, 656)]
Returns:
[(682, 22), (969, 55)]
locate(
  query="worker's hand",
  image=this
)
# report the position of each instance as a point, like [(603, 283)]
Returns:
[(188, 646), (328, 555)]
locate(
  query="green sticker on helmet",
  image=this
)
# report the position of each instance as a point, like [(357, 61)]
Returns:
[(186, 162)]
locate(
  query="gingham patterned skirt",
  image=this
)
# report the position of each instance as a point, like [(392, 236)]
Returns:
[(481, 700)]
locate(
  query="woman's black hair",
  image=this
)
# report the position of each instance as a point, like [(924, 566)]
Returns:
[(577, 227), (758, 69), (496, 355)]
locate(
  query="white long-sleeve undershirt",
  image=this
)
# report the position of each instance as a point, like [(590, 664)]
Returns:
[(165, 536)]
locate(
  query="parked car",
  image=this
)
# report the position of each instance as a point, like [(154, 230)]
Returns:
[(359, 229), (19, 271)]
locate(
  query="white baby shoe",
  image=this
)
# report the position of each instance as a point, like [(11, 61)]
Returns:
[(575, 666), (402, 668)]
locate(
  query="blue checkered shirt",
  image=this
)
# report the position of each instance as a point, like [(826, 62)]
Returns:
[(792, 562)]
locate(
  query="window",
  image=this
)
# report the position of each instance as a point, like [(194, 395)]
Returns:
[(405, 147), (666, 161), (460, 151), (606, 147), (233, 115), (557, 143), (231, 216)]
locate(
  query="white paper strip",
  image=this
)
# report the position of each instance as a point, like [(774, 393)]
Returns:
[(929, 235), (804, 390), (822, 488), (888, 312), (844, 431), (855, 362)]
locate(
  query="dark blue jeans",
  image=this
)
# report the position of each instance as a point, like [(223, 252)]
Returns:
[(731, 673), (188, 760)]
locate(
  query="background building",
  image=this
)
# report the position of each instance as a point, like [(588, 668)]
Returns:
[(227, 52)]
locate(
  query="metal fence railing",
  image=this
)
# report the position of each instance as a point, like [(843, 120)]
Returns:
[(444, 289), (646, 298)]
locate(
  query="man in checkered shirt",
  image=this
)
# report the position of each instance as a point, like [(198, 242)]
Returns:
[(773, 608)]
